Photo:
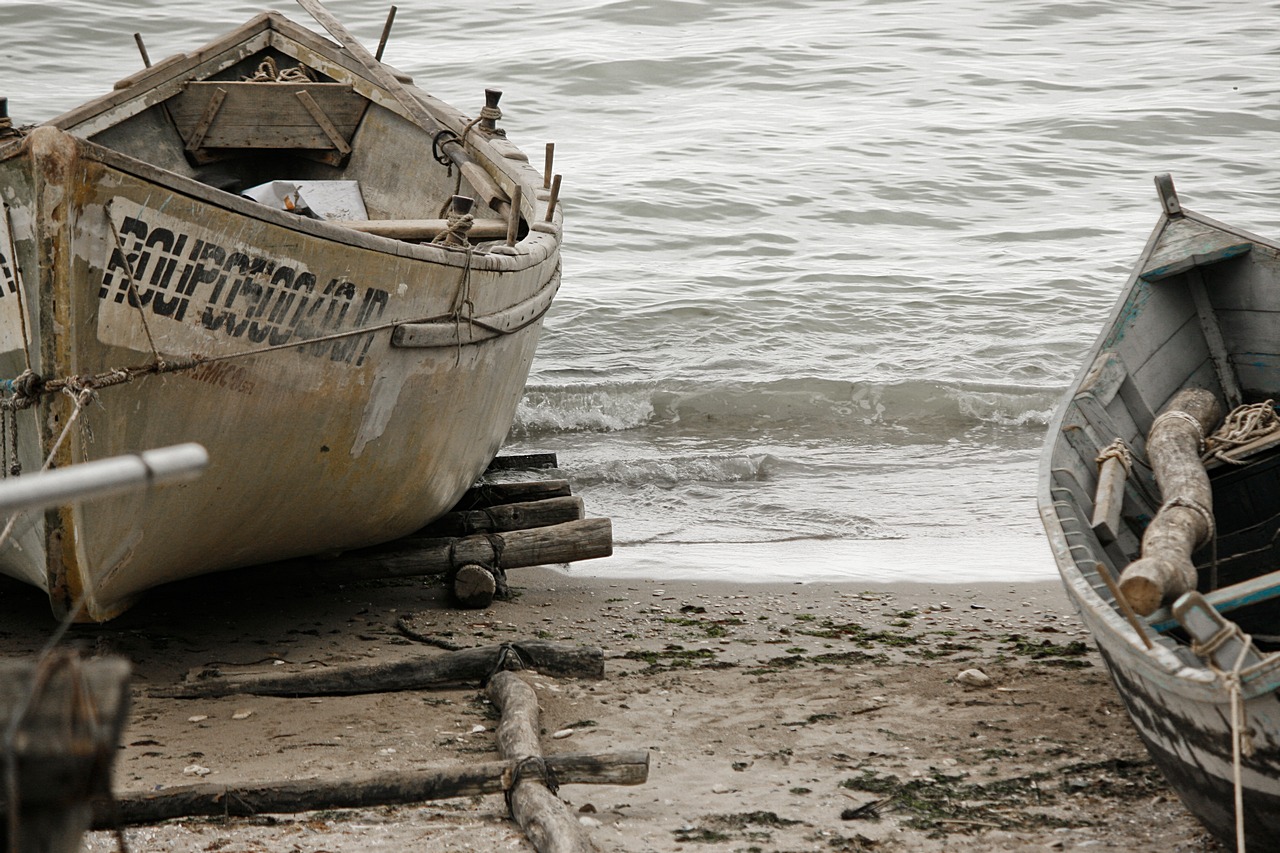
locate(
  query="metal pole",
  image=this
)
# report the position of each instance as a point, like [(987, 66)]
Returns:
[(103, 478)]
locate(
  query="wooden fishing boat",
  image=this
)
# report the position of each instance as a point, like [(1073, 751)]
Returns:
[(260, 246), (1195, 333)]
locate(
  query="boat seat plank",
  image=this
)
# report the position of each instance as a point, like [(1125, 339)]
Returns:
[(267, 115), (1228, 598)]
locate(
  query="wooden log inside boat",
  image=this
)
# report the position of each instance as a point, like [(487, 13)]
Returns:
[(61, 718), (492, 494), (541, 814), (383, 789), (563, 660), (504, 517), (569, 542), (1185, 520)]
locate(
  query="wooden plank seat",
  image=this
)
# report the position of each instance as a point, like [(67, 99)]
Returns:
[(307, 116), (1228, 598)]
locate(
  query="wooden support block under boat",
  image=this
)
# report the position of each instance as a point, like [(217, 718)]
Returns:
[(1185, 520), (586, 539), (493, 494), (504, 517), (385, 789)]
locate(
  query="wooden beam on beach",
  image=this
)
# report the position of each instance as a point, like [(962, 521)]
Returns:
[(562, 660), (384, 789), (542, 815)]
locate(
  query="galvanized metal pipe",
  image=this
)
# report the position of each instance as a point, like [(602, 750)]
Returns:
[(103, 478)]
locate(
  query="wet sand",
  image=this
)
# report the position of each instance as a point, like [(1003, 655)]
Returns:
[(777, 717)]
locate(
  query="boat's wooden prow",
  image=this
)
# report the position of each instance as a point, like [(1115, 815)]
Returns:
[(1186, 244)]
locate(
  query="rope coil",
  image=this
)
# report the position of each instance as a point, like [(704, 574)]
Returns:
[(1242, 425)]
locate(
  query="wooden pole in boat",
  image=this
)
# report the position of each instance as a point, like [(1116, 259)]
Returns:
[(417, 113), (142, 49), (548, 164), (513, 221), (386, 33), (554, 198), (1185, 519)]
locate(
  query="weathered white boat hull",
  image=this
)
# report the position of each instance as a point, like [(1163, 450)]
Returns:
[(345, 441)]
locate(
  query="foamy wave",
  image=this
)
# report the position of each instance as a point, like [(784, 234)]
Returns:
[(675, 471), (553, 410), (920, 410)]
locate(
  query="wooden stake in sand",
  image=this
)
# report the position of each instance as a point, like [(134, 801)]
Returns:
[(541, 814), (1185, 520)]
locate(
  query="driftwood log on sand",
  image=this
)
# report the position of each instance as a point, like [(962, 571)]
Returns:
[(541, 814), (385, 789), (1185, 520), (476, 664)]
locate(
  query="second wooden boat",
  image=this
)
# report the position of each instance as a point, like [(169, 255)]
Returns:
[(1172, 558)]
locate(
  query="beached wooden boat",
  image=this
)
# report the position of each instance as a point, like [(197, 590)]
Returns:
[(1196, 663), (349, 354)]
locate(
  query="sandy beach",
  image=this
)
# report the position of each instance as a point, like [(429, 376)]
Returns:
[(777, 717)]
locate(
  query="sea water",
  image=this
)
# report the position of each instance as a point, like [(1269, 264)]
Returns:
[(828, 264)]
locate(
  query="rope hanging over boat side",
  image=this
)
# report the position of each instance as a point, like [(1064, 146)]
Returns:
[(1242, 425), (1242, 745)]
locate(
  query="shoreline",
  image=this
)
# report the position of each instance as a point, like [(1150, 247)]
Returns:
[(777, 716)]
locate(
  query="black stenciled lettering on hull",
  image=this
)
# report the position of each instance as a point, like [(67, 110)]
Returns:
[(7, 277), (250, 296)]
